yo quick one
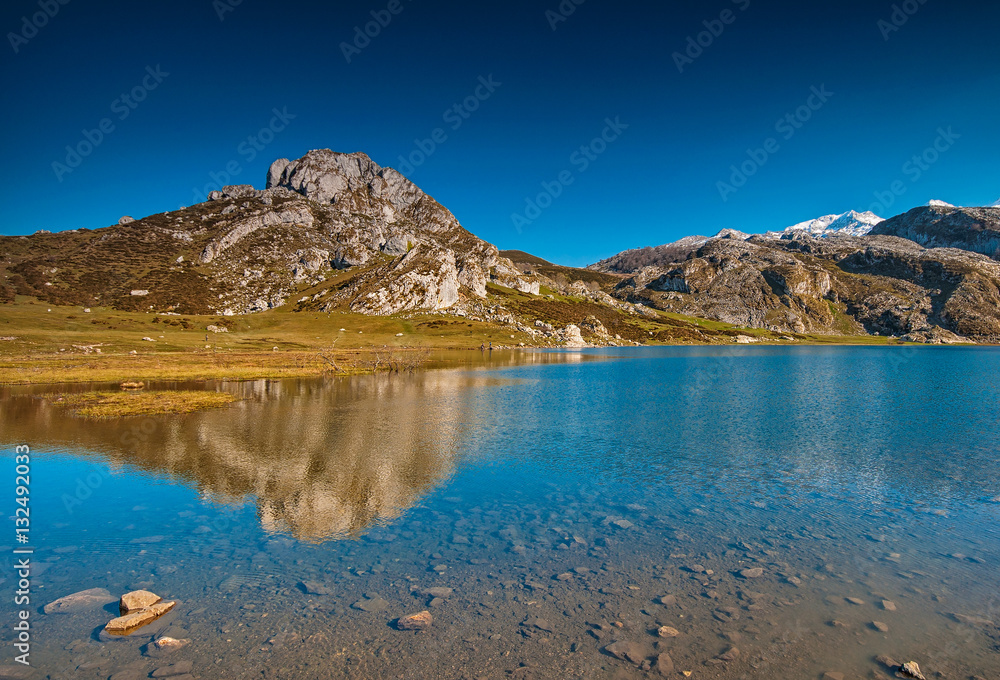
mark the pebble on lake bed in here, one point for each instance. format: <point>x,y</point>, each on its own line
<point>420,621</point>
<point>627,651</point>
<point>169,644</point>
<point>755,572</point>
<point>668,632</point>
<point>179,668</point>
<point>880,627</point>
<point>911,669</point>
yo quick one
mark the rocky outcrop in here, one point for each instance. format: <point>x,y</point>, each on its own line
<point>844,285</point>
<point>945,226</point>
<point>247,250</point>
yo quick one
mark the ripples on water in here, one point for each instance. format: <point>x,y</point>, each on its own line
<point>561,499</point>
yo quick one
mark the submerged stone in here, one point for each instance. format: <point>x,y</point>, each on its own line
<point>419,621</point>
<point>85,599</point>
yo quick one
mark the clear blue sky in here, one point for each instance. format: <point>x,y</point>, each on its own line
<point>656,181</point>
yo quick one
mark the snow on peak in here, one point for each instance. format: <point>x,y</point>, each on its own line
<point>939,204</point>
<point>733,234</point>
<point>996,205</point>
<point>851,223</point>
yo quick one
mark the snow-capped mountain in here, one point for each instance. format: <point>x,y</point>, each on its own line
<point>851,223</point>
<point>940,204</point>
<point>996,205</point>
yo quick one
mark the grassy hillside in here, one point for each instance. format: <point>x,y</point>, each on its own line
<point>41,343</point>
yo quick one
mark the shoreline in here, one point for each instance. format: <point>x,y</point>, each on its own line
<point>41,345</point>
<point>113,369</point>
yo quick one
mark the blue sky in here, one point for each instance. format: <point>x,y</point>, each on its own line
<point>590,115</point>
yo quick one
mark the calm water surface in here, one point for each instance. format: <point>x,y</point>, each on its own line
<point>570,501</point>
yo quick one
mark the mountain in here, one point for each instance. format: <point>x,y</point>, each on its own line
<point>329,231</point>
<point>633,260</point>
<point>924,276</point>
<point>940,226</point>
<point>879,285</point>
<point>851,223</point>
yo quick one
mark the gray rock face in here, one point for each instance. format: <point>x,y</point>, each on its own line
<point>875,284</point>
<point>275,171</point>
<point>938,226</point>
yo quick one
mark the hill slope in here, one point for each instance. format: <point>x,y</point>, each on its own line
<point>350,233</point>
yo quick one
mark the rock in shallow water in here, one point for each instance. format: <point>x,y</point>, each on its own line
<point>133,619</point>
<point>664,664</point>
<point>911,669</point>
<point>315,588</point>
<point>136,600</point>
<point>83,600</point>
<point>420,621</point>
<point>626,651</point>
<point>165,645</point>
<point>371,603</point>
<point>179,668</point>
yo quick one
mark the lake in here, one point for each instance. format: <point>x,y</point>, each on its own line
<point>757,512</point>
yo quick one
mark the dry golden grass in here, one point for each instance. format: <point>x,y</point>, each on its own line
<point>99,405</point>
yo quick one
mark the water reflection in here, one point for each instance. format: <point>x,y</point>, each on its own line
<point>320,459</point>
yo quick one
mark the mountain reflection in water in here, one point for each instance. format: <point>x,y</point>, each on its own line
<point>321,460</point>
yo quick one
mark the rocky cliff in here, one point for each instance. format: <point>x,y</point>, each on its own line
<point>945,226</point>
<point>845,285</point>
<point>330,230</point>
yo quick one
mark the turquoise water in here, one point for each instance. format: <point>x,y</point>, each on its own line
<point>561,498</point>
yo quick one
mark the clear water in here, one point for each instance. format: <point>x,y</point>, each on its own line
<point>560,496</point>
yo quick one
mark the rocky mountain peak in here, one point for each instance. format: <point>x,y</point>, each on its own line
<point>330,231</point>
<point>327,176</point>
<point>947,226</point>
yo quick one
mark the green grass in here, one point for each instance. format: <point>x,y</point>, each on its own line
<point>102,405</point>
